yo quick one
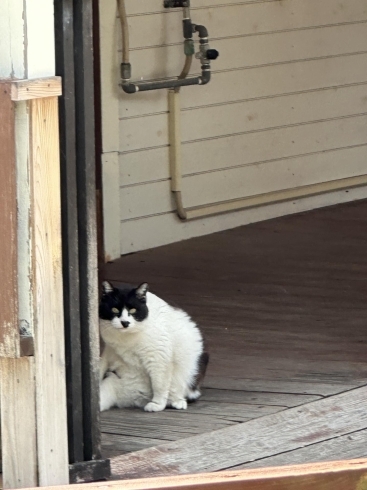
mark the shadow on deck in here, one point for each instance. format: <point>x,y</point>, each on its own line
<point>283,306</point>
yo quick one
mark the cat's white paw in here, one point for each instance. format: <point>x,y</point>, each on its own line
<point>179,404</point>
<point>154,407</point>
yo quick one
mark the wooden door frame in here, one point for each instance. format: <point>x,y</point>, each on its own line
<point>75,64</point>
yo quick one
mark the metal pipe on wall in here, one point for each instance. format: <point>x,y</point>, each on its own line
<point>205,54</point>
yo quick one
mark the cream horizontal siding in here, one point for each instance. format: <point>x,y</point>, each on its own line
<point>245,116</point>
<point>238,182</point>
<point>152,231</point>
<point>286,107</point>
<point>255,82</point>
<point>237,21</point>
<point>247,149</point>
<point>251,51</point>
<point>342,11</point>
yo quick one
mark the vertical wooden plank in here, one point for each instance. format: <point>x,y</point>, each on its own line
<point>18,422</point>
<point>109,33</point>
<point>9,331</point>
<point>85,157</point>
<point>48,300</point>
<point>64,41</point>
<point>110,74</point>
<point>111,202</point>
<point>24,252</point>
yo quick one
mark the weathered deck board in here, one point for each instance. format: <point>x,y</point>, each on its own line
<point>283,308</point>
<point>351,446</point>
<point>169,425</point>
<point>260,438</point>
<point>116,444</point>
<point>255,398</point>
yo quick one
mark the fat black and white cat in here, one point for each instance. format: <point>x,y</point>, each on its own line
<point>154,353</point>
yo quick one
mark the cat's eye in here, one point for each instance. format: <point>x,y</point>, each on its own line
<point>115,310</point>
<point>132,311</point>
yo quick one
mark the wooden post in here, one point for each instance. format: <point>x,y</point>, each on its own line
<point>9,330</point>
<point>18,415</point>
<point>74,62</point>
<point>33,391</point>
<point>88,264</point>
<point>64,44</point>
<point>48,298</point>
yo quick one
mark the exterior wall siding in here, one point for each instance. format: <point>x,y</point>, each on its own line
<point>286,107</point>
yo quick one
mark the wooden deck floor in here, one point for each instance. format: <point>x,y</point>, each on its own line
<point>283,306</point>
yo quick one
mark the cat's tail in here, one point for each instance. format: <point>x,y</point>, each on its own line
<point>194,390</point>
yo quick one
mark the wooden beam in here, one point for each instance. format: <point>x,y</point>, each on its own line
<point>35,88</point>
<point>64,45</point>
<point>48,299</point>
<point>336,475</point>
<point>18,422</point>
<point>9,328</point>
<point>87,224</point>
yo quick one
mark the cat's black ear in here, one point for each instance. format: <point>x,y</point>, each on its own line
<point>107,288</point>
<point>141,291</point>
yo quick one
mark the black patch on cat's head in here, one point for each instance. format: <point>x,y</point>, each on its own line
<point>137,299</point>
<point>118,299</point>
<point>112,299</point>
<point>141,292</point>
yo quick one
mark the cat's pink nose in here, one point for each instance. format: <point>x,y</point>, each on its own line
<point>125,324</point>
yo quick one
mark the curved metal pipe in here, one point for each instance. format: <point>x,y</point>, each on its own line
<point>124,31</point>
<point>181,212</point>
<point>186,68</point>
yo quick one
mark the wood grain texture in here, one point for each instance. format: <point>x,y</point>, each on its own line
<point>283,311</point>
<point>87,223</point>
<point>64,43</point>
<point>18,422</point>
<point>337,475</point>
<point>9,329</point>
<point>259,438</point>
<point>170,425</point>
<point>350,446</point>
<point>255,398</point>
<point>25,287</point>
<point>35,88</point>
<point>48,299</point>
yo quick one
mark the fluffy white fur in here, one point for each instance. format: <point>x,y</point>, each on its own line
<point>155,360</point>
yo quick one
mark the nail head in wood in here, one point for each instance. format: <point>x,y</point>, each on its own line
<point>36,88</point>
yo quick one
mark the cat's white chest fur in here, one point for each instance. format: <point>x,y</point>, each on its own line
<point>157,357</point>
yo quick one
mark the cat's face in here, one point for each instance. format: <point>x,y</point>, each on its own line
<point>125,309</point>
